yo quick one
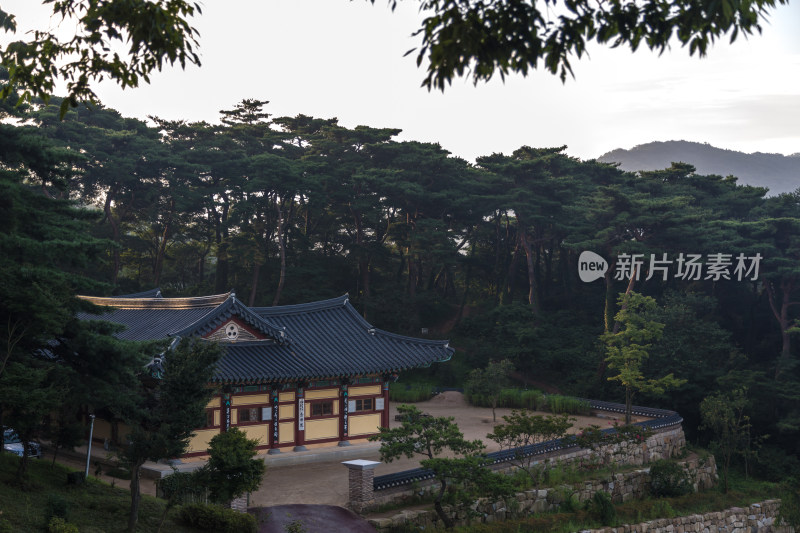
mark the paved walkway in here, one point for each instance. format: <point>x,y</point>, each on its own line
<point>312,519</point>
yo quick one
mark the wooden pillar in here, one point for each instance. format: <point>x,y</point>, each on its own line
<point>344,414</point>
<point>300,419</point>
<point>385,412</point>
<point>273,445</point>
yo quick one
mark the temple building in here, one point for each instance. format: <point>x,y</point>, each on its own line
<point>293,377</point>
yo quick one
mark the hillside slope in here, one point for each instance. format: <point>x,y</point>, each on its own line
<point>777,172</point>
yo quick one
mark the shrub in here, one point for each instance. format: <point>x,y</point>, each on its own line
<point>56,506</point>
<point>217,518</point>
<point>410,393</point>
<point>59,525</point>
<point>668,479</point>
<point>183,487</point>
<point>662,509</point>
<point>601,508</point>
<point>5,526</point>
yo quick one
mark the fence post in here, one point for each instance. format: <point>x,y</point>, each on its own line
<point>361,473</point>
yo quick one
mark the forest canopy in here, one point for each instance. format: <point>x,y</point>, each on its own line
<point>293,209</point>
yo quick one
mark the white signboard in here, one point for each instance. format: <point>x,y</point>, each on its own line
<point>301,414</point>
<point>266,413</point>
<point>379,404</point>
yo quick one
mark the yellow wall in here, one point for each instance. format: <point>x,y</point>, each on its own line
<point>234,417</point>
<point>285,432</point>
<point>286,397</point>
<point>217,417</point>
<point>320,394</point>
<point>102,429</point>
<point>364,424</point>
<point>200,439</point>
<point>286,411</point>
<point>259,433</point>
<point>373,390</point>
<point>250,399</point>
<point>325,428</point>
<point>213,403</point>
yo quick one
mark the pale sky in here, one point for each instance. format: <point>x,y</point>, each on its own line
<point>344,59</point>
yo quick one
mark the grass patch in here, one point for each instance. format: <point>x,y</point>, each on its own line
<point>410,392</point>
<point>534,400</point>
<point>94,506</point>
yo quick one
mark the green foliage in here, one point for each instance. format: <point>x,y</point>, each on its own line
<point>789,511</point>
<point>601,508</point>
<point>723,415</point>
<point>517,36</point>
<point>164,413</point>
<point>218,519</point>
<point>627,349</point>
<point>433,437</point>
<point>60,525</point>
<point>57,507</point>
<point>522,428</point>
<point>232,469</point>
<point>662,509</point>
<point>559,404</point>
<point>410,393</point>
<point>183,487</point>
<point>295,526</point>
<point>155,32</point>
<point>490,381</point>
<point>668,478</point>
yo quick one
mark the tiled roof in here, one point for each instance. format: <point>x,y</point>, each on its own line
<point>325,339</point>
<point>152,318</point>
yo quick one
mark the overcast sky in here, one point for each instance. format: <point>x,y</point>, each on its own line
<point>344,59</point>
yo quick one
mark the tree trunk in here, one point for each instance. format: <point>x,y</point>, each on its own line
<point>115,238</point>
<point>254,285</point>
<point>628,405</point>
<point>533,298</point>
<point>448,522</point>
<point>782,316</point>
<point>136,496</point>
<point>282,252</point>
<point>162,249</point>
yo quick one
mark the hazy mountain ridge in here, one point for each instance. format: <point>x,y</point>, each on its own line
<point>777,172</point>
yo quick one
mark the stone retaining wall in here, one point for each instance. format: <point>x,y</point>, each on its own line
<point>666,443</point>
<point>622,487</point>
<point>758,518</point>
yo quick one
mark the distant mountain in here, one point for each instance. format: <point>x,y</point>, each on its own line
<point>777,172</point>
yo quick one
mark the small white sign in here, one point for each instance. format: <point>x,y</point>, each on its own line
<point>351,406</point>
<point>301,414</point>
<point>266,413</point>
<point>379,404</point>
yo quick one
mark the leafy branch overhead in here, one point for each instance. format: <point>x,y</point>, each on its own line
<point>484,37</point>
<point>150,32</point>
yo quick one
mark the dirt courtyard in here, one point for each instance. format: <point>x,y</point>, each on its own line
<point>325,482</point>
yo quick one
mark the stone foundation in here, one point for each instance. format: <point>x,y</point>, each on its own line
<point>665,444</point>
<point>758,518</point>
<point>622,487</point>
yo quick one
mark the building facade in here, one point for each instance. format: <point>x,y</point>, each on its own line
<point>292,377</point>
